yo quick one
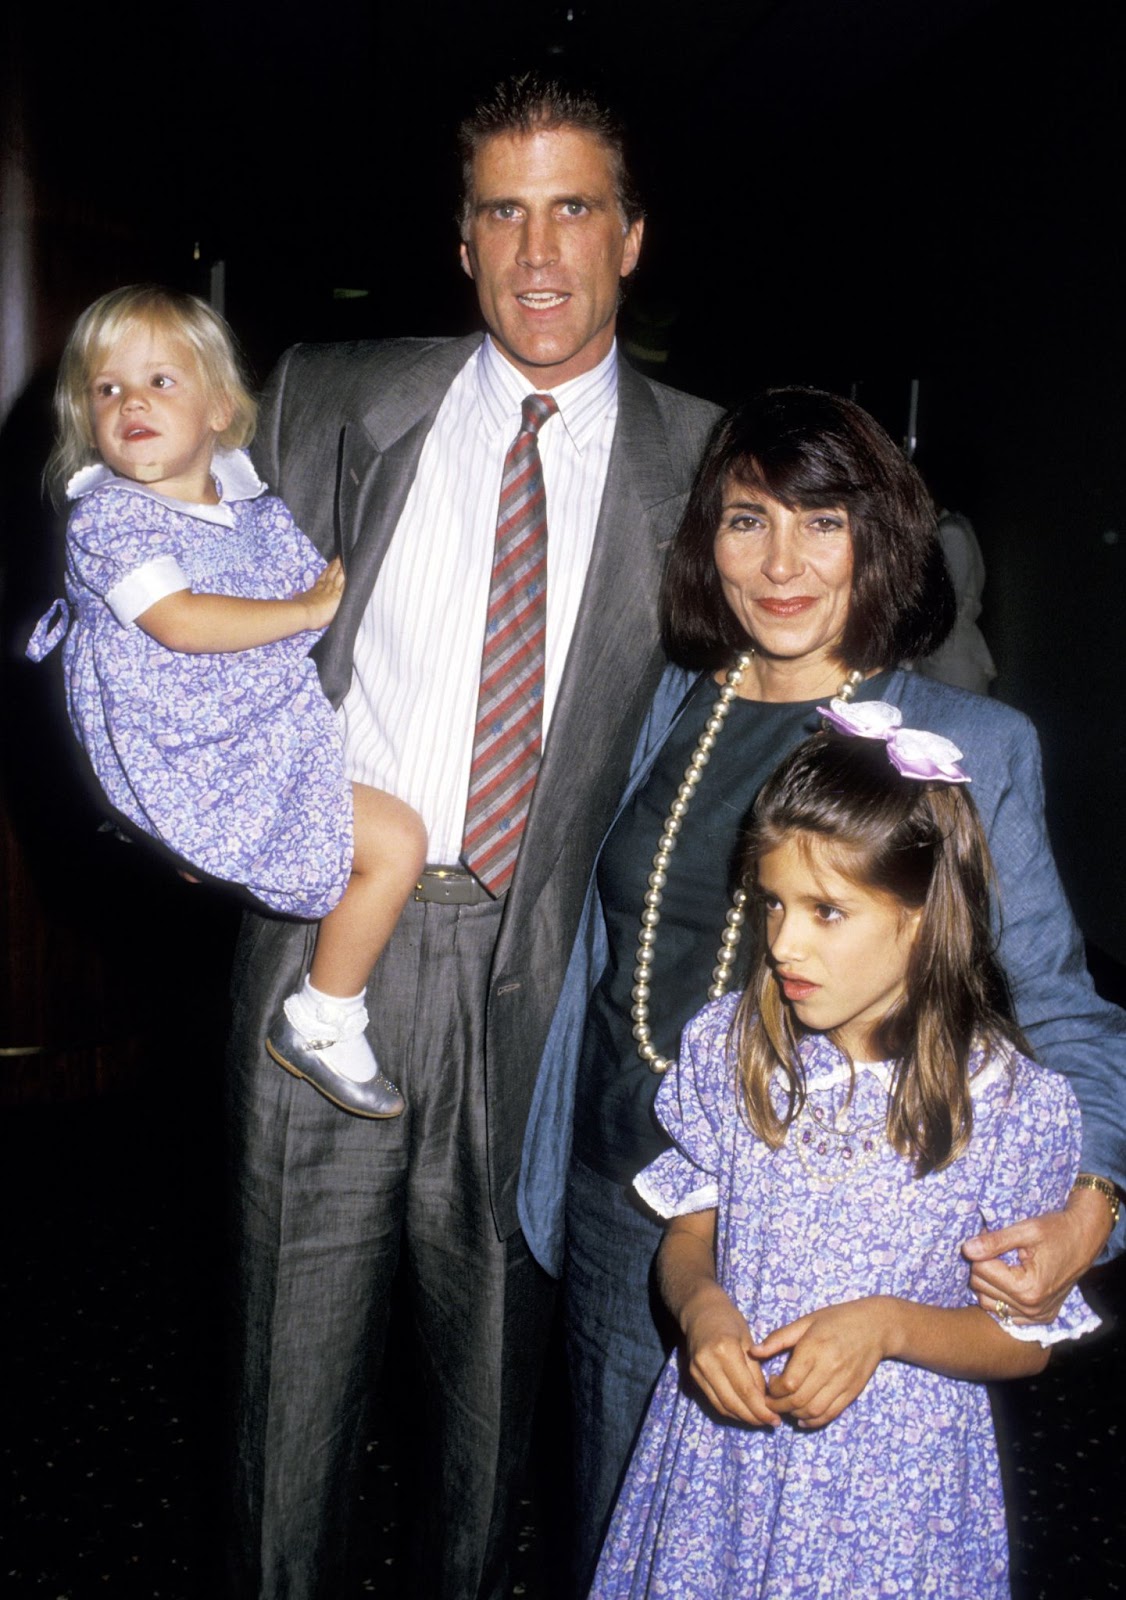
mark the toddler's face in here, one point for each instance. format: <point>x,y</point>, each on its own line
<point>840,951</point>
<point>152,415</point>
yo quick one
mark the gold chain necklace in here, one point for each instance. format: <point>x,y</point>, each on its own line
<point>658,876</point>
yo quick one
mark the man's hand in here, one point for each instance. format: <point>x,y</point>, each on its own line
<point>1053,1252</point>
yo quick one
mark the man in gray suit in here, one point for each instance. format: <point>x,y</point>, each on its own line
<point>392,454</point>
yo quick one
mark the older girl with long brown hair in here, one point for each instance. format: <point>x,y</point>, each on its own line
<point>838,1130</point>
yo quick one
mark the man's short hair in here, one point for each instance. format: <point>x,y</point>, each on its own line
<point>531,103</point>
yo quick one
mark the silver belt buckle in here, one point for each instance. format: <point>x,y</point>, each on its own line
<point>450,886</point>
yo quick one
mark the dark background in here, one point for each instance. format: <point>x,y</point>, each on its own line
<point>851,193</point>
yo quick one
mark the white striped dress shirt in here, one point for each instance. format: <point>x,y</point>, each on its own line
<point>409,715</point>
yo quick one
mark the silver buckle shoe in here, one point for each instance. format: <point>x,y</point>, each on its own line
<point>377,1097</point>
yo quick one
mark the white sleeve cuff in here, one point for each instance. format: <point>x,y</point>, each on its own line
<point>706,1198</point>
<point>1082,1320</point>
<point>144,586</point>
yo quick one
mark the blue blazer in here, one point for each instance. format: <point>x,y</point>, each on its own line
<point>1069,1027</point>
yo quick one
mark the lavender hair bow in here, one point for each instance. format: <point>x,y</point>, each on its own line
<point>912,751</point>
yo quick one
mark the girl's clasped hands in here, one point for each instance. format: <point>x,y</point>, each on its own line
<point>832,1354</point>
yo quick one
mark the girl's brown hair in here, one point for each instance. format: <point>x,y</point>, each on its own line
<point>172,311</point>
<point>923,844</point>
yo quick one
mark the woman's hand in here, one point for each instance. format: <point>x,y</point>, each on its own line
<point>718,1344</point>
<point>1053,1252</point>
<point>833,1353</point>
<point>323,597</point>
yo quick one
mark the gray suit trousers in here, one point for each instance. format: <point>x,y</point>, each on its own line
<point>330,1209</point>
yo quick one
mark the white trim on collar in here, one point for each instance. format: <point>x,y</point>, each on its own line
<point>981,1077</point>
<point>233,470</point>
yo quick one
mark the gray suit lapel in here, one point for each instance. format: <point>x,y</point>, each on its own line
<point>378,459</point>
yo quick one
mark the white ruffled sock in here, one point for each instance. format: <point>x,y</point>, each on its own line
<point>336,1023</point>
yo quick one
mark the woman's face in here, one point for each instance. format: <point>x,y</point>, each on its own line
<point>787,575</point>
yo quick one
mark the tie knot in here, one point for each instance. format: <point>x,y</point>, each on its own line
<point>534,412</point>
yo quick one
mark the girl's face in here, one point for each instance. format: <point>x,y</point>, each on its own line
<point>839,950</point>
<point>152,415</point>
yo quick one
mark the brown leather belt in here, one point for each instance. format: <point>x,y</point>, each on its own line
<point>451,886</point>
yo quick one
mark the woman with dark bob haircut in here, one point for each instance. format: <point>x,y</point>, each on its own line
<point>806,448</point>
<point>806,568</point>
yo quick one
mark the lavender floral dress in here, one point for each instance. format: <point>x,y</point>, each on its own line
<point>900,1495</point>
<point>232,760</point>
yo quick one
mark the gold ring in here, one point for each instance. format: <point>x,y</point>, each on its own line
<point>1002,1312</point>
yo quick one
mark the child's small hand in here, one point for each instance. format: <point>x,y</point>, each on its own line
<point>719,1345</point>
<point>833,1353</point>
<point>323,597</point>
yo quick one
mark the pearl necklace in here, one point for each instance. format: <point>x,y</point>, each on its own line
<point>666,844</point>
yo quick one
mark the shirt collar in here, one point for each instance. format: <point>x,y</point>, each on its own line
<point>826,1065</point>
<point>233,471</point>
<point>584,402</point>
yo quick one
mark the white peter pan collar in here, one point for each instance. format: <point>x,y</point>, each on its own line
<point>233,471</point>
<point>981,1078</point>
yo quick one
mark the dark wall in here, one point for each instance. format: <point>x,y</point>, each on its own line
<point>845,192</point>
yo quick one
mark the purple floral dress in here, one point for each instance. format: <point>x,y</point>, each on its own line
<point>232,760</point>
<point>900,1495</point>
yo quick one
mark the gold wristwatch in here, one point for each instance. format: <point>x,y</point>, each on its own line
<point>1103,1186</point>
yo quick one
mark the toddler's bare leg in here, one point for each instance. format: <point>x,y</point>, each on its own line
<point>319,1033</point>
<point>389,852</point>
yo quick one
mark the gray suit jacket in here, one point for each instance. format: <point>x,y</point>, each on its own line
<point>341,433</point>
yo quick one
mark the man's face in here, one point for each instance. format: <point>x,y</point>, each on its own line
<point>547,248</point>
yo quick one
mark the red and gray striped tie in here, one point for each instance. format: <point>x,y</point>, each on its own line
<point>508,738</point>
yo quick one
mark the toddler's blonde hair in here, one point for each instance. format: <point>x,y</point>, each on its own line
<point>171,311</point>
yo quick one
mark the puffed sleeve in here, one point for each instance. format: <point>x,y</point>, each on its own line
<point>694,1105</point>
<point>1070,1027</point>
<point>1034,1125</point>
<point>122,548</point>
